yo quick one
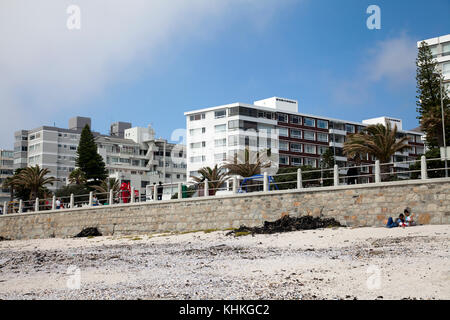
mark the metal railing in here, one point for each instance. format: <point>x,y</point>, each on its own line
<point>364,174</point>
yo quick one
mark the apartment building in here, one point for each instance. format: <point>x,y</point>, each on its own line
<point>6,170</point>
<point>49,147</point>
<point>141,159</point>
<point>130,154</point>
<point>295,139</point>
<point>215,135</point>
<point>440,48</point>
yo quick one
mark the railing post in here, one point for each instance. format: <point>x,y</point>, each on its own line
<point>36,205</point>
<point>235,185</point>
<point>423,168</point>
<point>206,188</point>
<point>53,202</point>
<point>377,171</point>
<point>20,205</point>
<point>299,179</point>
<point>266,182</point>
<point>132,195</point>
<point>155,192</point>
<point>72,200</point>
<point>5,207</point>
<point>90,198</point>
<point>336,175</point>
<point>180,190</point>
<point>111,197</point>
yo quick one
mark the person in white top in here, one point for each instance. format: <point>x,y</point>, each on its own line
<point>58,204</point>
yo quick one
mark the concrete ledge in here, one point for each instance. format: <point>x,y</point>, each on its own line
<point>351,205</point>
<point>242,195</point>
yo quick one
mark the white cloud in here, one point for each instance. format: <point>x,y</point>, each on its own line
<point>47,67</point>
<point>390,63</point>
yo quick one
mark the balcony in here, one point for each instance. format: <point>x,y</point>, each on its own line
<point>337,131</point>
<point>337,145</point>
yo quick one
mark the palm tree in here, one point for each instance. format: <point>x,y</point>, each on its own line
<point>216,178</point>
<point>252,164</point>
<point>377,140</point>
<point>33,178</point>
<point>77,176</point>
<point>106,186</point>
<point>10,183</point>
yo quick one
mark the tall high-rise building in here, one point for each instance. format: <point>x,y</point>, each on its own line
<point>440,48</point>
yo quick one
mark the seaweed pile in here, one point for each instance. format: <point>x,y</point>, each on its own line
<point>288,224</point>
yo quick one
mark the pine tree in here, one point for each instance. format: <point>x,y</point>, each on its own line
<point>88,160</point>
<point>429,98</point>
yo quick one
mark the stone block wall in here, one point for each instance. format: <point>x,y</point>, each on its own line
<point>356,205</point>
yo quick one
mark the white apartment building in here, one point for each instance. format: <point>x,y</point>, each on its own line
<point>295,139</point>
<point>440,48</point>
<point>215,135</point>
<point>6,170</point>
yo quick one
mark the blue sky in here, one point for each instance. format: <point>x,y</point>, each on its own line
<point>319,52</point>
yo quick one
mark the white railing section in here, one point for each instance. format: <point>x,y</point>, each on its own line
<point>296,180</point>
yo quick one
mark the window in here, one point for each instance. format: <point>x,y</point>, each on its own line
<point>350,128</point>
<point>446,49</point>
<point>310,162</point>
<point>322,137</point>
<point>283,132</point>
<point>296,161</point>
<point>199,116</point>
<point>296,120</point>
<point>321,149</point>
<point>282,118</point>
<point>220,156</point>
<point>296,134</point>
<point>220,142</point>
<point>309,135</point>
<point>196,145</point>
<point>322,124</point>
<point>198,159</point>
<point>73,148</point>
<point>296,147</point>
<point>197,131</point>
<point>309,122</point>
<point>284,146</point>
<point>233,140</point>
<point>220,128</point>
<point>310,149</point>
<point>220,114</point>
<point>284,160</point>
<point>419,150</point>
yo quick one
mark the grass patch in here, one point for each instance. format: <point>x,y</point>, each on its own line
<point>136,238</point>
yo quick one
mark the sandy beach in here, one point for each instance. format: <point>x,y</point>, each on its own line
<point>334,263</point>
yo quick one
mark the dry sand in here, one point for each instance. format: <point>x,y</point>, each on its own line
<point>340,263</point>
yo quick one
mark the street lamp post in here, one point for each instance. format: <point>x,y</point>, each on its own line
<point>443,125</point>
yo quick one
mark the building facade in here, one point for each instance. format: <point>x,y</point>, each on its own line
<point>6,170</point>
<point>140,159</point>
<point>440,49</point>
<point>294,138</point>
<point>51,148</point>
<point>136,157</point>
